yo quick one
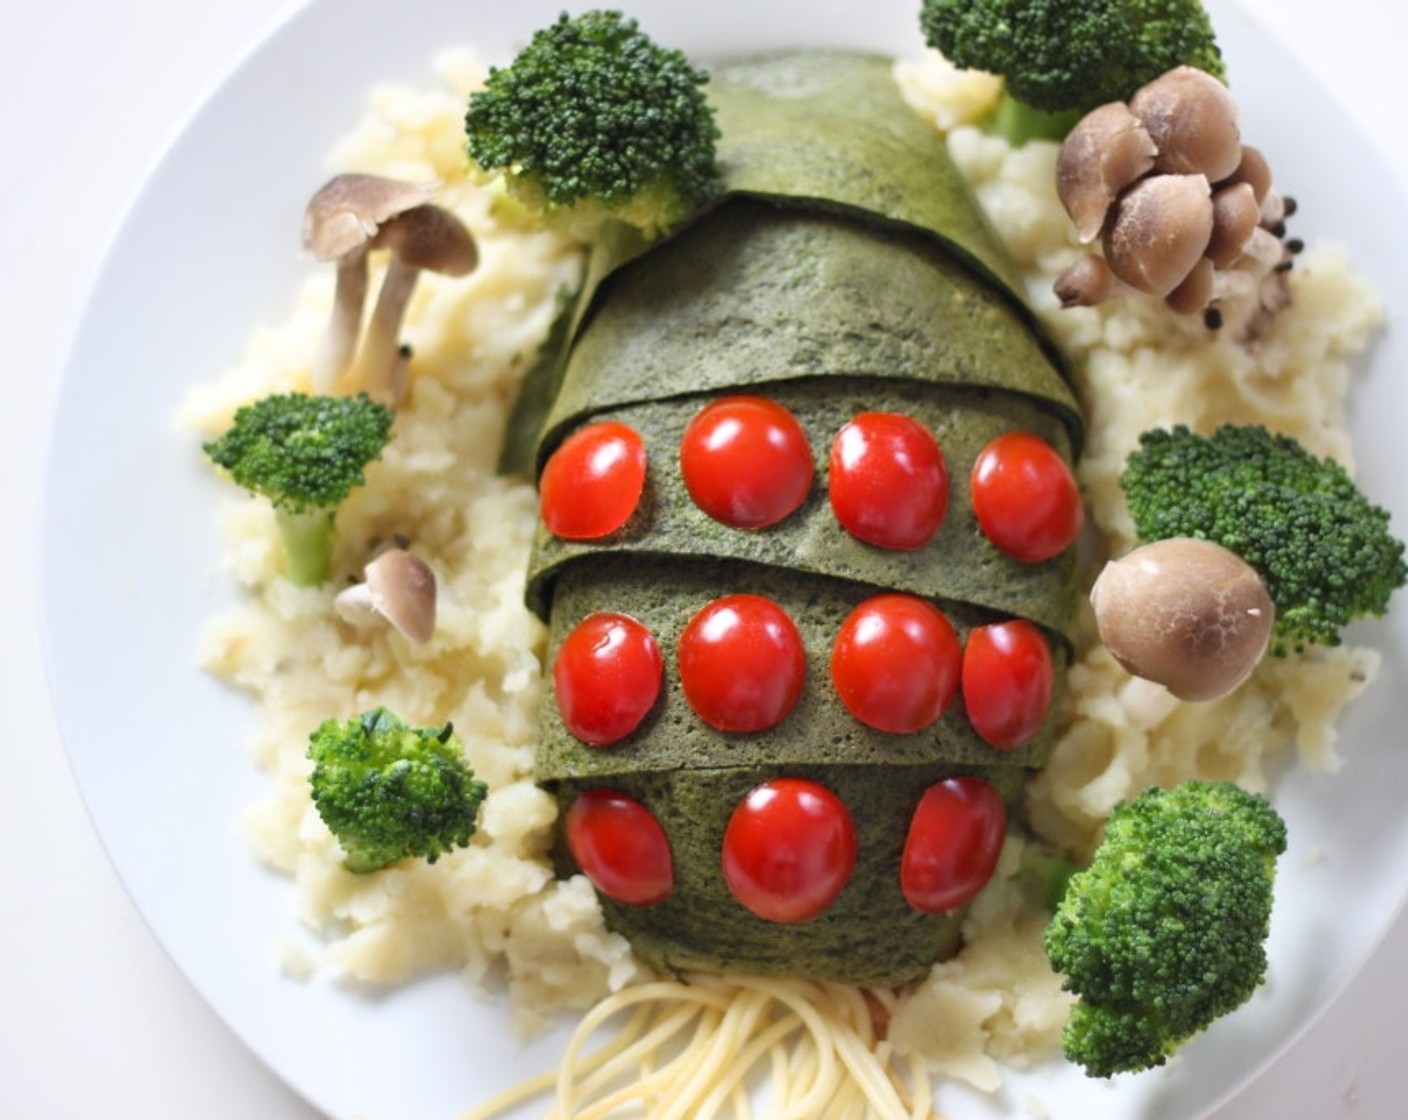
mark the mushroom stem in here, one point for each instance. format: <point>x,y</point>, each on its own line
<point>339,341</point>
<point>375,370</point>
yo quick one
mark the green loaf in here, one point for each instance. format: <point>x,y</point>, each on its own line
<point>845,272</point>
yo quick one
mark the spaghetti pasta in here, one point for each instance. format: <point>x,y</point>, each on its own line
<point>736,1046</point>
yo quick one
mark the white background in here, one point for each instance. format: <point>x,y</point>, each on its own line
<point>94,1020</point>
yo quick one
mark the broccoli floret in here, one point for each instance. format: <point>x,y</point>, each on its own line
<point>595,120</point>
<point>305,453</point>
<point>390,791</point>
<point>1322,548</point>
<point>1165,931</point>
<point>1061,59</point>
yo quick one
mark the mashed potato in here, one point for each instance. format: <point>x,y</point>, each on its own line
<point>495,909</point>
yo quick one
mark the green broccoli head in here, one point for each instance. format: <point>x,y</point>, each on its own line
<point>390,791</point>
<point>593,120</point>
<point>1321,547</point>
<point>1056,55</point>
<point>305,453</point>
<point>1165,931</point>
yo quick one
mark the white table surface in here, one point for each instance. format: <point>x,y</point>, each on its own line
<point>94,1019</point>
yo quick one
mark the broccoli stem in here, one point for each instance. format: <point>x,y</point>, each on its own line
<point>307,539</point>
<point>1018,122</point>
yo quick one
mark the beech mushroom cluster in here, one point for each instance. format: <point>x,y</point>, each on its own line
<point>1183,210</point>
<point>1187,614</point>
<point>349,217</point>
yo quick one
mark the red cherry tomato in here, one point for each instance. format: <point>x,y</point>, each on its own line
<point>592,483</point>
<point>895,662</point>
<point>620,847</point>
<point>955,837</point>
<point>1026,498</point>
<point>1008,677</point>
<point>742,663</point>
<point>887,481</point>
<point>606,677</point>
<point>789,850</point>
<point>746,461</point>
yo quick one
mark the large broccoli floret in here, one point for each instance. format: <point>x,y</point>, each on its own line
<point>1322,548</point>
<point>1165,931</point>
<point>1064,58</point>
<point>593,120</point>
<point>390,791</point>
<point>305,453</point>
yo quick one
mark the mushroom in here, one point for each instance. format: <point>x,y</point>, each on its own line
<point>1187,614</point>
<point>338,225</point>
<point>1087,282</point>
<point>424,237</point>
<point>1235,217</point>
<point>397,588</point>
<point>1158,231</point>
<point>1107,150</point>
<point>1192,118</point>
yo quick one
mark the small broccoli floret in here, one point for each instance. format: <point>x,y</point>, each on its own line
<point>390,791</point>
<point>1060,59</point>
<point>1322,548</point>
<point>305,453</point>
<point>594,120</point>
<point>1165,931</point>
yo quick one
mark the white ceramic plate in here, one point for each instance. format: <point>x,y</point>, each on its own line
<point>131,562</point>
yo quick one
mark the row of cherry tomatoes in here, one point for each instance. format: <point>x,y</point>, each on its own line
<point>896,664</point>
<point>747,463</point>
<point>789,847</point>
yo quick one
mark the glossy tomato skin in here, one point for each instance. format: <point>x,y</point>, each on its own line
<point>742,663</point>
<point>606,677</point>
<point>620,847</point>
<point>591,485</point>
<point>887,481</point>
<point>1008,681</point>
<point>789,850</point>
<point>1026,498</point>
<point>955,837</point>
<point>746,461</point>
<point>895,663</point>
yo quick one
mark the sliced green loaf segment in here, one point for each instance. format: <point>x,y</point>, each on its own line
<point>663,593</point>
<point>830,130</point>
<point>754,295</point>
<point>870,935</point>
<point>959,566</point>
<point>825,133</point>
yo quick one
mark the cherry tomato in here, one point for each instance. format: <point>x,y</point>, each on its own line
<point>606,677</point>
<point>955,837</point>
<point>1026,498</point>
<point>746,461</point>
<point>1007,682</point>
<point>895,662</point>
<point>789,850</point>
<point>620,847</point>
<point>592,483</point>
<point>742,663</point>
<point>887,481</point>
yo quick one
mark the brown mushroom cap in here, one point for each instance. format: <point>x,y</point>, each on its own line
<point>398,587</point>
<point>1252,168</point>
<point>431,238</point>
<point>1107,150</point>
<point>1158,231</point>
<point>1235,216</point>
<point>349,209</point>
<point>1084,284</point>
<point>1192,118</point>
<point>1187,614</point>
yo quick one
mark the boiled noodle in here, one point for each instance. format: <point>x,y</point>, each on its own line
<point>495,911</point>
